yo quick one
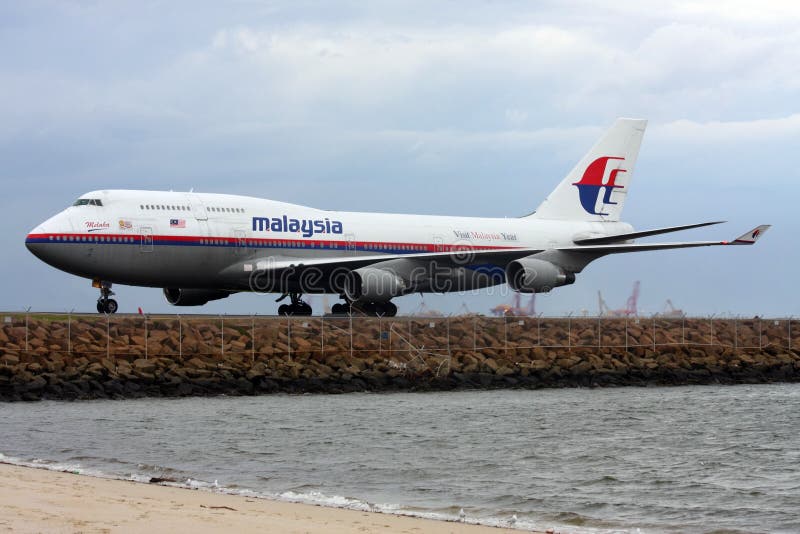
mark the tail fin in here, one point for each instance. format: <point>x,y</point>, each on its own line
<point>596,189</point>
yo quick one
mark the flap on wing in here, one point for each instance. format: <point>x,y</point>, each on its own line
<point>605,240</point>
<point>746,239</point>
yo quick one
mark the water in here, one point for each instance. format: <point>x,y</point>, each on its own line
<point>700,458</point>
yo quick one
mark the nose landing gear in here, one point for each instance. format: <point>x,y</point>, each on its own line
<point>104,303</point>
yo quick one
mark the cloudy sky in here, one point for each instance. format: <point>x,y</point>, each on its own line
<point>462,108</point>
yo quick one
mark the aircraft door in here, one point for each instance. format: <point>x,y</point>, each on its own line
<point>350,244</point>
<point>146,239</point>
<point>438,243</point>
<point>241,242</point>
<point>198,208</point>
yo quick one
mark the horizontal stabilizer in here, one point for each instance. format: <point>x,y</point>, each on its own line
<point>605,240</point>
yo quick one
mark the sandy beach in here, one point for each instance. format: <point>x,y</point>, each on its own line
<point>38,500</point>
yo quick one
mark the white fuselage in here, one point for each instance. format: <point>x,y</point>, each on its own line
<point>166,239</point>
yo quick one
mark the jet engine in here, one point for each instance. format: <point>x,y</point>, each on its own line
<point>192,297</point>
<point>532,275</point>
<point>370,284</point>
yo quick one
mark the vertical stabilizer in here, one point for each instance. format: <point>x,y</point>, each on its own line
<point>596,189</point>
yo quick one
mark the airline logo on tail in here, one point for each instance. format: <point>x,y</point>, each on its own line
<point>591,183</point>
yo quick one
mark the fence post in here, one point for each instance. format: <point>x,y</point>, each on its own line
<point>759,332</point>
<point>289,335</point>
<point>711,321</point>
<point>447,324</point>
<point>69,331</point>
<point>569,332</point>
<point>180,337</point>
<point>409,336</point>
<point>26,328</point>
<point>654,333</point>
<point>505,336</point>
<point>683,330</point>
<point>474,335</point>
<point>626,334</point>
<point>599,335</point>
<point>539,329</point>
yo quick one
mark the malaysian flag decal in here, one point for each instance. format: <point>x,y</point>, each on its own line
<point>177,223</point>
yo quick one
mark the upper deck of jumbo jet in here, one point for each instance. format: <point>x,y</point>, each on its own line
<point>244,210</point>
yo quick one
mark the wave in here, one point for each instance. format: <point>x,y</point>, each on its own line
<point>303,497</point>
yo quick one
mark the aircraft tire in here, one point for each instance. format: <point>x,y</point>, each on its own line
<point>389,309</point>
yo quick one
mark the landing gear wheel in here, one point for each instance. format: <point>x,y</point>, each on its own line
<point>108,306</point>
<point>340,309</point>
<point>297,307</point>
<point>104,303</point>
<point>389,309</point>
<point>376,309</point>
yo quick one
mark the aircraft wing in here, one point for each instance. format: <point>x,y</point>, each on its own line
<point>748,238</point>
<point>605,240</point>
<point>471,257</point>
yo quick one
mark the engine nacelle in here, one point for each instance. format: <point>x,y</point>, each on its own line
<point>370,284</point>
<point>192,297</point>
<point>531,275</point>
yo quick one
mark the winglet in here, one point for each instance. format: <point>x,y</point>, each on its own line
<point>752,236</point>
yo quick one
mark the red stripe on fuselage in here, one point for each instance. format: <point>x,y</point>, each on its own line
<point>260,242</point>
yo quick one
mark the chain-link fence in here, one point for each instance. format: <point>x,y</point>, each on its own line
<point>254,337</point>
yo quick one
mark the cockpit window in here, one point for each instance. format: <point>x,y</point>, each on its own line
<point>88,202</point>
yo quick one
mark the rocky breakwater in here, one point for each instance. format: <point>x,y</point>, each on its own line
<point>85,357</point>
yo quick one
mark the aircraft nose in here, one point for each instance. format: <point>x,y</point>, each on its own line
<point>35,238</point>
<point>38,238</point>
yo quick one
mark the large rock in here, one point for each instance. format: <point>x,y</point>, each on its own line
<point>144,366</point>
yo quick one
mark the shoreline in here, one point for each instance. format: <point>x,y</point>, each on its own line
<point>37,499</point>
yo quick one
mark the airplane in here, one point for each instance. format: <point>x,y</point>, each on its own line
<point>200,247</point>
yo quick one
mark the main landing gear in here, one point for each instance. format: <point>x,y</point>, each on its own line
<point>377,309</point>
<point>104,303</point>
<point>297,307</point>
